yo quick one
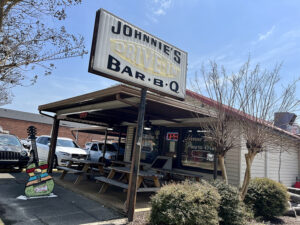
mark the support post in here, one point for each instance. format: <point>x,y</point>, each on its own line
<point>135,162</point>
<point>52,147</point>
<point>119,143</point>
<point>215,165</point>
<point>104,148</point>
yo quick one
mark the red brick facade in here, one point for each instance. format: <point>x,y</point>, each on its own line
<point>19,128</point>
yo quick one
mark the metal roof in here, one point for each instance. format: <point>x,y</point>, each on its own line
<point>118,106</point>
<point>33,117</point>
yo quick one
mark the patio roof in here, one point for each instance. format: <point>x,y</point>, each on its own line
<point>118,106</point>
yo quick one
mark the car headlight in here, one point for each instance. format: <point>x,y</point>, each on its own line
<point>65,153</point>
<point>23,153</point>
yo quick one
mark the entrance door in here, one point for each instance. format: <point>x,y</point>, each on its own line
<point>171,143</point>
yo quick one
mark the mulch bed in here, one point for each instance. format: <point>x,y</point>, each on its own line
<point>142,218</point>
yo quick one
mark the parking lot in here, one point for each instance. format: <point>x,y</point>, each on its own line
<point>67,208</point>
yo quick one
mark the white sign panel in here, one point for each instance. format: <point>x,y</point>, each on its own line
<point>125,53</point>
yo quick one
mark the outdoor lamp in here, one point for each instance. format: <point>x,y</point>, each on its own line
<point>147,125</point>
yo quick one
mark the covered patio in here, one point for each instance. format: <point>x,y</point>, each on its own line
<point>172,133</point>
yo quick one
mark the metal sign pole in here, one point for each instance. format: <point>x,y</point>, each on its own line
<point>135,162</point>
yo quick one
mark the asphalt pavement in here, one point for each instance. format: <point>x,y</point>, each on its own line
<point>67,208</point>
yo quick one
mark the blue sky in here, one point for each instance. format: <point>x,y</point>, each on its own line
<point>225,31</point>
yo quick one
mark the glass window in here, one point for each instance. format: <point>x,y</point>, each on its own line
<point>7,140</point>
<point>150,145</point>
<point>66,143</point>
<point>94,147</point>
<point>197,150</point>
<point>43,140</point>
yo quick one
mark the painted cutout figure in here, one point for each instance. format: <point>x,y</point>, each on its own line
<point>40,183</point>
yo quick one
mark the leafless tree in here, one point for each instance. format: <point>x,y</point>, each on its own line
<point>30,38</point>
<point>221,90</point>
<point>260,95</point>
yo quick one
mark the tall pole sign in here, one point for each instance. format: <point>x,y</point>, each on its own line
<point>125,53</point>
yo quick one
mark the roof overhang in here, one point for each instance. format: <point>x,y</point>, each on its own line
<point>118,106</point>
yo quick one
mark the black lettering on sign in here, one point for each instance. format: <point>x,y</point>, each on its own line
<point>116,31</point>
<point>137,34</point>
<point>174,86</point>
<point>158,82</point>
<point>127,31</point>
<point>166,49</point>
<point>127,70</point>
<point>177,56</point>
<point>139,75</point>
<point>113,64</point>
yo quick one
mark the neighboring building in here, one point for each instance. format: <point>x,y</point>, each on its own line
<point>17,122</point>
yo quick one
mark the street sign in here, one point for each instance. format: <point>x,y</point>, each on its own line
<point>124,52</point>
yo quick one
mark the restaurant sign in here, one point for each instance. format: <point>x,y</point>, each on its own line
<point>123,52</point>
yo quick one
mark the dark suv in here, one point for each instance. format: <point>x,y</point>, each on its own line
<point>12,153</point>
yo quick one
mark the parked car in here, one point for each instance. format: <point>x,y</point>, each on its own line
<point>12,153</point>
<point>26,143</point>
<point>66,149</point>
<point>96,148</point>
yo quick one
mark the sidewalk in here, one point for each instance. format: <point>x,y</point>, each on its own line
<point>67,208</point>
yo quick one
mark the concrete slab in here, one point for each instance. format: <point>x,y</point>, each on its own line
<point>67,208</point>
<point>114,197</point>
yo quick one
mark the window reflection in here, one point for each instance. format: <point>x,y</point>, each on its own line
<point>150,145</point>
<point>197,149</point>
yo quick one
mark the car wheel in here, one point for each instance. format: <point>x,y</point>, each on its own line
<point>19,170</point>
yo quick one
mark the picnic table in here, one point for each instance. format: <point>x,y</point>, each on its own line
<point>183,173</point>
<point>87,165</point>
<point>126,171</point>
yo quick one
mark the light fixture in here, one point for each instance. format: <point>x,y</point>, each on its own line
<point>147,125</point>
<point>110,128</point>
<point>202,131</point>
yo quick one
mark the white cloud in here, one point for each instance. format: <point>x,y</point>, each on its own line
<point>262,37</point>
<point>159,8</point>
<point>160,12</point>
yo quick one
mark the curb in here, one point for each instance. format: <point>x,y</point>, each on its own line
<point>110,222</point>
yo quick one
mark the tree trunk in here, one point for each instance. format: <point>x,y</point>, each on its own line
<point>223,168</point>
<point>249,159</point>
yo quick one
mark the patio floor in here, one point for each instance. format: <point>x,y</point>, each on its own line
<point>114,197</point>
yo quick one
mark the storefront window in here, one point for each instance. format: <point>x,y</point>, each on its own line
<point>197,150</point>
<point>150,145</point>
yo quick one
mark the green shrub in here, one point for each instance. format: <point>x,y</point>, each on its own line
<point>185,203</point>
<point>267,198</point>
<point>231,210</point>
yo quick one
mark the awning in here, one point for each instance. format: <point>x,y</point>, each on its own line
<point>118,106</point>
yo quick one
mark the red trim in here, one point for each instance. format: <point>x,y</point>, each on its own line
<point>236,112</point>
<point>30,170</point>
<point>42,167</point>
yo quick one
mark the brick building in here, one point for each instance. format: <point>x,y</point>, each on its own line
<point>17,122</point>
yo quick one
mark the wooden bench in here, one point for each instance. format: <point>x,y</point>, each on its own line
<point>70,170</point>
<point>179,173</point>
<point>124,186</point>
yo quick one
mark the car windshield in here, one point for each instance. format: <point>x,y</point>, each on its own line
<point>9,141</point>
<point>66,143</point>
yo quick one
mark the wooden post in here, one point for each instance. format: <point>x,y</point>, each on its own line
<point>104,148</point>
<point>135,163</point>
<point>119,143</point>
<point>215,165</point>
<point>52,147</point>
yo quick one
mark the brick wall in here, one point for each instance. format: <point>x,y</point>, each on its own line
<point>19,128</point>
